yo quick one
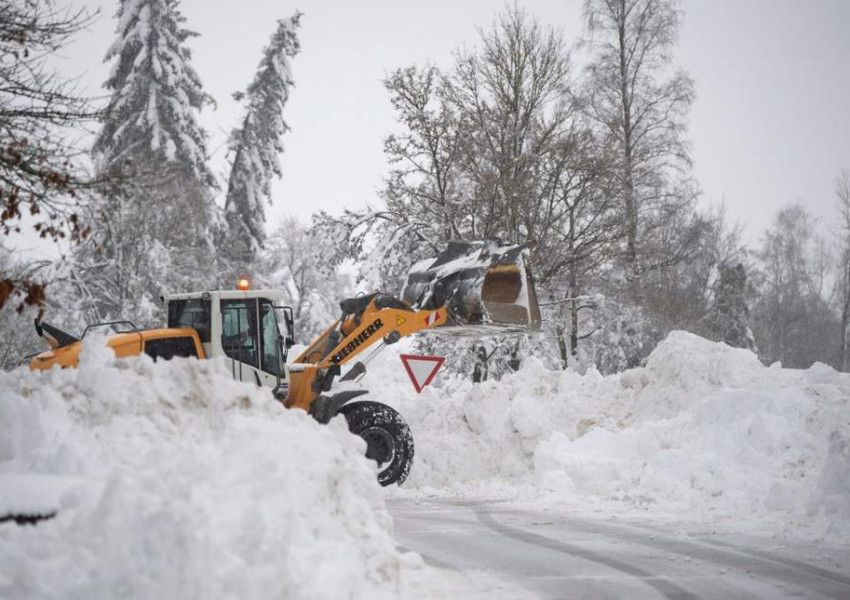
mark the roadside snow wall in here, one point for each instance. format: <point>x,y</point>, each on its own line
<point>702,429</point>
<point>173,481</point>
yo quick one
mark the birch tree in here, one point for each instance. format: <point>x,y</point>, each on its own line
<point>793,320</point>
<point>641,106</point>
<point>842,191</point>
<point>513,90</point>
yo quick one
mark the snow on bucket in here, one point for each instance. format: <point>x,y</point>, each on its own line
<point>483,284</point>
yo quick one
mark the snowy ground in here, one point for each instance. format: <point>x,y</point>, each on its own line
<point>704,434</point>
<point>704,474</point>
<point>561,553</point>
<point>171,480</point>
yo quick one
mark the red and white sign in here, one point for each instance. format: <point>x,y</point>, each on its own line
<point>421,369</point>
<point>431,319</point>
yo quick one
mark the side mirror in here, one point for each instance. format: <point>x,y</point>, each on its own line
<point>289,320</point>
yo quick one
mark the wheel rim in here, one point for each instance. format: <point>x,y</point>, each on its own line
<point>379,445</point>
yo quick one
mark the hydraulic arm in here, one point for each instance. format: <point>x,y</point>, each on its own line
<point>365,321</point>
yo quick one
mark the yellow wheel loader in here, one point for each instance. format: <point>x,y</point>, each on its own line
<point>471,288</point>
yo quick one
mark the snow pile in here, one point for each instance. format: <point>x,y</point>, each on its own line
<point>170,480</point>
<point>702,429</point>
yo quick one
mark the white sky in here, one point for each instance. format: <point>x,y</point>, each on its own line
<point>771,123</point>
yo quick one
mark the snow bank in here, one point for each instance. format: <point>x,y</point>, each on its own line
<point>173,481</point>
<point>703,429</point>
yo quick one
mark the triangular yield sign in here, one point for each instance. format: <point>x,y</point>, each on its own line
<point>421,369</point>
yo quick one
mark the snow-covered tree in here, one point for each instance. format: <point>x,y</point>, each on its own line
<point>155,92</point>
<point>641,109</point>
<point>842,191</point>
<point>792,319</point>
<point>257,143</point>
<point>294,260</point>
<point>122,270</point>
<point>150,128</point>
<point>493,147</point>
<point>157,217</point>
<point>731,314</point>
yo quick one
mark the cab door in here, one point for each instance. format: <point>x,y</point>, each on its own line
<point>240,338</point>
<point>271,358</point>
<point>251,340</point>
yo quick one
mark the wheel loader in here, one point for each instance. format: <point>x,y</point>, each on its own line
<point>472,288</point>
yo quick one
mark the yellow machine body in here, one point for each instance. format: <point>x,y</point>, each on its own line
<point>475,287</point>
<point>357,332</point>
<point>123,344</point>
<point>353,334</point>
<point>472,288</point>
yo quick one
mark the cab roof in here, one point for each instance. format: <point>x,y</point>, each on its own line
<point>273,295</point>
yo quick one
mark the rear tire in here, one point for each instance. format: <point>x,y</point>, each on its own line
<point>387,436</point>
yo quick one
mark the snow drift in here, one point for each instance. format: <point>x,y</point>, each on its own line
<point>703,429</point>
<point>173,481</point>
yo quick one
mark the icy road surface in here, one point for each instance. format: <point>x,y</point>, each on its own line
<point>556,555</point>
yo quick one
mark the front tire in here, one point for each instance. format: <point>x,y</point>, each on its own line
<point>387,436</point>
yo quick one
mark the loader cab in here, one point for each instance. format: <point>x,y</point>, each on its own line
<point>249,329</point>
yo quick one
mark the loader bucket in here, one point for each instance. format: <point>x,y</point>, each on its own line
<point>484,284</point>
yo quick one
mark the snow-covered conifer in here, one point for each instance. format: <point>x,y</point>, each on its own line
<point>731,314</point>
<point>158,218</point>
<point>257,143</point>
<point>151,114</point>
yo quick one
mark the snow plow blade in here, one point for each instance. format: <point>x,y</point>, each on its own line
<point>484,284</point>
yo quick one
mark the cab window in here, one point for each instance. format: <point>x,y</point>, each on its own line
<point>193,313</point>
<point>168,348</point>
<point>269,335</point>
<point>239,330</point>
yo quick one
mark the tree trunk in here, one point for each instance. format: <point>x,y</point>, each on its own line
<point>573,308</point>
<point>515,361</point>
<point>574,327</point>
<point>845,318</point>
<point>562,345</point>
<point>573,293</point>
<point>480,370</point>
<point>629,200</point>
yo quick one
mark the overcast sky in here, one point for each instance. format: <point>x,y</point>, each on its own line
<point>771,123</point>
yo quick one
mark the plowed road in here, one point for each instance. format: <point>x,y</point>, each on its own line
<point>558,556</point>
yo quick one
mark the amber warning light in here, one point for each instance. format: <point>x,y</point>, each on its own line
<point>243,284</point>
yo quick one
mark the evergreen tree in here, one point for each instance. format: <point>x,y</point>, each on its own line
<point>155,92</point>
<point>731,314</point>
<point>158,219</point>
<point>257,143</point>
<point>150,130</point>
